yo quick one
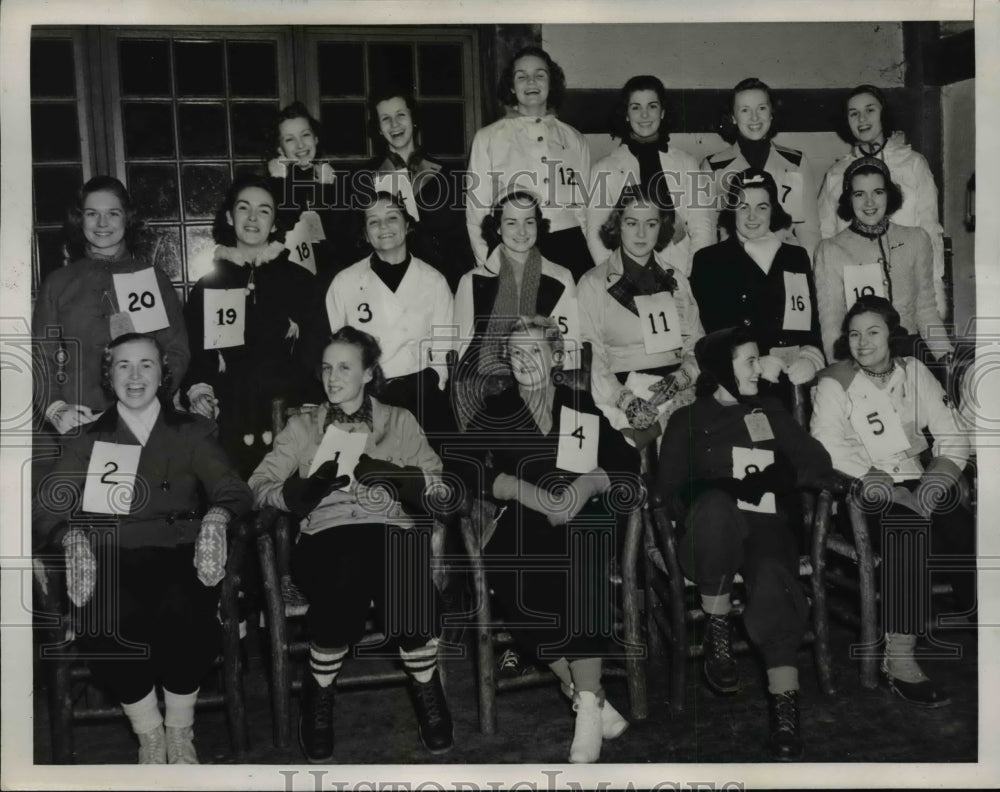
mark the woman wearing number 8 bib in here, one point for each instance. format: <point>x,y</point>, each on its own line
<point>105,292</point>
<point>560,475</point>
<point>755,280</point>
<point>874,256</point>
<point>153,553</point>
<point>872,411</point>
<point>641,321</point>
<point>729,467</point>
<point>350,551</point>
<point>244,320</point>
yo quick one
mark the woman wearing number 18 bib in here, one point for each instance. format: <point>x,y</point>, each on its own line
<point>873,411</point>
<point>144,564</point>
<point>245,321</point>
<point>729,467</point>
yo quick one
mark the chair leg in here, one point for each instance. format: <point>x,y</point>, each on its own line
<point>821,615</point>
<point>236,713</point>
<point>679,644</point>
<point>484,645</point>
<point>866,578</point>
<point>281,683</point>
<point>635,650</point>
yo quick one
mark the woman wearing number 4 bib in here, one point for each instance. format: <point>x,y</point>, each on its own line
<point>641,321</point>
<point>555,459</point>
<point>874,256</point>
<point>873,411</point>
<point>106,291</point>
<point>244,320</point>
<point>341,559</point>
<point>152,554</point>
<point>755,280</point>
<point>407,306</point>
<point>729,467</point>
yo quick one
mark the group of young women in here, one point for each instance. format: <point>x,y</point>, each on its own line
<point>401,346</point>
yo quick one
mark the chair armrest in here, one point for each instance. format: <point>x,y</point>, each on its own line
<point>835,482</point>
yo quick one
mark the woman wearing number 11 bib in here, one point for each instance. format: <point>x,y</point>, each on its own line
<point>729,467</point>
<point>874,256</point>
<point>872,411</point>
<point>144,562</point>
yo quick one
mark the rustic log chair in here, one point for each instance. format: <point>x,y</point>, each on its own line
<point>475,524</point>
<point>72,699</point>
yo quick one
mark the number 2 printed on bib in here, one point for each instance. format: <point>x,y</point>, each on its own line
<point>798,306</point>
<point>110,486</point>
<point>878,425</point>
<point>139,297</point>
<point>861,281</point>
<point>578,435</point>
<point>224,318</point>
<point>661,323</point>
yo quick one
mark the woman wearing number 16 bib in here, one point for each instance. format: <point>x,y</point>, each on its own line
<point>245,321</point>
<point>872,411</point>
<point>144,562</point>
<point>874,256</point>
<point>729,467</point>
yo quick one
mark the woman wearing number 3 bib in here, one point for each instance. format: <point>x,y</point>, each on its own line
<point>152,554</point>
<point>106,291</point>
<point>871,411</point>
<point>349,552</point>
<point>729,467</point>
<point>874,256</point>
<point>553,459</point>
<point>244,320</point>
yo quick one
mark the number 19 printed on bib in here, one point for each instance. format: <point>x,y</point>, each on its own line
<point>224,318</point>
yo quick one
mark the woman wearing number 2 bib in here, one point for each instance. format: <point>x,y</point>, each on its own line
<point>729,467</point>
<point>349,551</point>
<point>105,292</point>
<point>755,280</point>
<point>874,256</point>
<point>871,410</point>
<point>553,459</point>
<point>244,320</point>
<point>641,321</point>
<point>144,562</point>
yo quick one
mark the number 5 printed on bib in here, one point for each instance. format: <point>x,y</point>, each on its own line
<point>139,297</point>
<point>578,436</point>
<point>110,487</point>
<point>224,318</point>
<point>878,425</point>
<point>567,316</point>
<point>661,323</point>
<point>753,460</point>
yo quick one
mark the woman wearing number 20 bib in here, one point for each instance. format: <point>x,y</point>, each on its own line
<point>244,321</point>
<point>871,411</point>
<point>874,256</point>
<point>105,292</point>
<point>139,503</point>
<point>729,467</point>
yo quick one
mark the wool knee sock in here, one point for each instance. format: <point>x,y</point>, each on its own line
<point>899,661</point>
<point>144,714</point>
<point>716,604</point>
<point>180,708</point>
<point>421,662</point>
<point>586,674</point>
<point>781,679</point>
<point>324,664</point>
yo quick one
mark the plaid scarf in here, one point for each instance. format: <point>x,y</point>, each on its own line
<point>362,415</point>
<point>637,279</point>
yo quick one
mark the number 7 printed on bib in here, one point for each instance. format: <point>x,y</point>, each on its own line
<point>110,485</point>
<point>139,298</point>
<point>578,436</point>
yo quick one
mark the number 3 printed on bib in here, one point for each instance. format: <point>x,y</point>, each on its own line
<point>578,435</point>
<point>224,318</point>
<point>661,324</point>
<point>110,487</point>
<point>879,426</point>
<point>139,297</point>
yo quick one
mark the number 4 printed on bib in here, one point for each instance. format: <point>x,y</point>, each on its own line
<point>110,487</point>
<point>224,318</point>
<point>139,297</point>
<point>661,324</point>
<point>578,435</point>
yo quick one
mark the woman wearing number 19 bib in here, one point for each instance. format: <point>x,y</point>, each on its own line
<point>874,256</point>
<point>245,321</point>
<point>873,411</point>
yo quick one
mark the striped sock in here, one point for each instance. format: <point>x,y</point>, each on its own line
<point>421,662</point>
<point>325,664</point>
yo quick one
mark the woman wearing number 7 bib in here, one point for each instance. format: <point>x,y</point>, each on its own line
<point>729,467</point>
<point>874,256</point>
<point>871,410</point>
<point>349,552</point>
<point>140,503</point>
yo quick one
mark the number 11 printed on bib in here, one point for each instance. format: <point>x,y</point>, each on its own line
<point>661,323</point>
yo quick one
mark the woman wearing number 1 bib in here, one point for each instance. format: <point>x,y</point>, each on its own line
<point>144,561</point>
<point>106,291</point>
<point>873,411</point>
<point>729,467</point>
<point>874,256</point>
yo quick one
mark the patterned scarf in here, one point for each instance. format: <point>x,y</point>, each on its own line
<point>878,233</point>
<point>638,279</point>
<point>870,231</point>
<point>363,415</point>
<point>508,305</point>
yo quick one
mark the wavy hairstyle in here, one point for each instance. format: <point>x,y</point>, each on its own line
<point>869,303</point>
<point>490,228</point>
<point>749,179</point>
<point>297,110</point>
<point>557,78</point>
<point>727,127</point>
<point>371,352</point>
<point>611,230</point>
<point>76,242</point>
<point>618,120</point>
<point>551,335</point>
<point>861,167</point>
<point>166,373</point>
<point>222,231</point>
<point>889,123</point>
<point>380,144</point>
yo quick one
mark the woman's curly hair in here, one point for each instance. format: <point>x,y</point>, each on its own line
<point>166,374</point>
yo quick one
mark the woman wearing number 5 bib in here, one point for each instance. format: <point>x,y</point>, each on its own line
<point>729,467</point>
<point>144,561</point>
<point>641,321</point>
<point>106,291</point>
<point>874,256</point>
<point>560,475</point>
<point>349,552</point>
<point>872,411</point>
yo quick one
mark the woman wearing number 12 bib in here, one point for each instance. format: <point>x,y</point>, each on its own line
<point>873,411</point>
